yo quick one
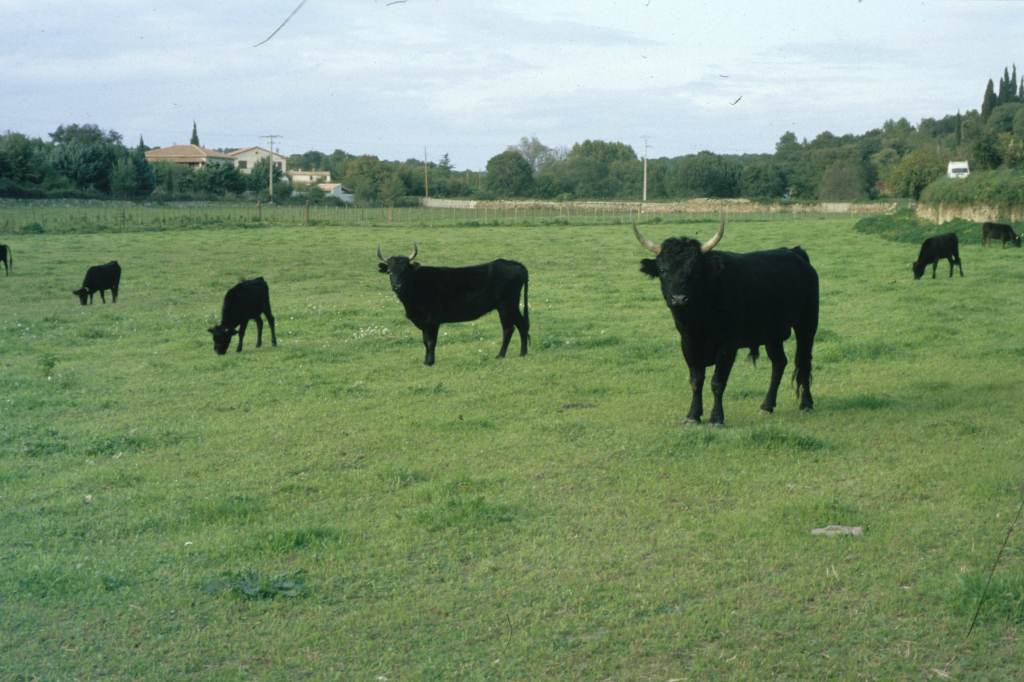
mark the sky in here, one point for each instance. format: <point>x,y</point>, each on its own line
<point>400,79</point>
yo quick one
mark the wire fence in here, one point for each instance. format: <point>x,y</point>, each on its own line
<point>84,217</point>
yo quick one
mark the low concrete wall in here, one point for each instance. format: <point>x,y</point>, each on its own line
<point>689,206</point>
<point>977,213</point>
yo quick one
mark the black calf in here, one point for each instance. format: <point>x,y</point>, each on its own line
<point>245,301</point>
<point>100,278</point>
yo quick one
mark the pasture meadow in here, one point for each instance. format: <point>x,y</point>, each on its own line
<point>332,509</point>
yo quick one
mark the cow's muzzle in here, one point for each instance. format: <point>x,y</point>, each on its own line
<point>678,300</point>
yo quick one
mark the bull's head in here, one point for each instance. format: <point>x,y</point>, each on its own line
<point>221,338</point>
<point>680,265</point>
<point>82,294</point>
<point>918,268</point>
<point>398,267</point>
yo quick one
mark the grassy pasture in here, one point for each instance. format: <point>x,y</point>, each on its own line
<point>331,508</point>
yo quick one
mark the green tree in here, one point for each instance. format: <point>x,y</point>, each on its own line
<point>533,150</point>
<point>915,171</point>
<point>391,189</point>
<point>257,181</point>
<point>195,135</point>
<point>988,101</point>
<point>984,151</point>
<point>762,179</point>
<point>23,160</point>
<point>86,155</point>
<point>363,175</point>
<point>704,174</point>
<point>133,177</point>
<point>509,175</point>
<point>843,181</point>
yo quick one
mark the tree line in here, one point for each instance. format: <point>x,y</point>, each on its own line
<point>897,159</point>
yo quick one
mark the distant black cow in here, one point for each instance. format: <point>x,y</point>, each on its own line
<point>100,278</point>
<point>7,258</point>
<point>245,301</point>
<point>934,248</point>
<point>433,295</point>
<point>722,302</point>
<point>1004,233</point>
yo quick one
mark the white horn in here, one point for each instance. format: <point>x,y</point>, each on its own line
<point>715,238</point>
<point>647,243</point>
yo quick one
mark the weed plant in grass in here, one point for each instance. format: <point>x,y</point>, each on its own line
<point>331,508</point>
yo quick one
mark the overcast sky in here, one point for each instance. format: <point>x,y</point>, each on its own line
<point>471,78</point>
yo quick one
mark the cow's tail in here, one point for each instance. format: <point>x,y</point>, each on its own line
<point>526,302</point>
<point>755,353</point>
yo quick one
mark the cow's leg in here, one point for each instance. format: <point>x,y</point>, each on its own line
<point>241,334</point>
<point>934,266</point>
<point>778,357</point>
<point>270,321</point>
<point>102,297</point>
<point>959,264</point>
<point>696,394</point>
<point>723,366</point>
<point>259,331</point>
<point>802,375</point>
<point>430,342</point>
<point>507,327</point>
<point>113,294</point>
<point>523,325</point>
<point>951,264</point>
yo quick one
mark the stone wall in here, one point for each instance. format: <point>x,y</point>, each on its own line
<point>977,213</point>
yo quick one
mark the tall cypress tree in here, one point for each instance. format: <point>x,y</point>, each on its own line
<point>959,128</point>
<point>1013,85</point>
<point>989,101</point>
<point>195,135</point>
<point>1003,87</point>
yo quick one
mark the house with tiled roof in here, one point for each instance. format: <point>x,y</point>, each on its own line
<point>190,155</point>
<point>245,159</point>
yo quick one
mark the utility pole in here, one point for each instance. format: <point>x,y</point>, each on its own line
<point>426,175</point>
<point>270,167</point>
<point>645,169</point>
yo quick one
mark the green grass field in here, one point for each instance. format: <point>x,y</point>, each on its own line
<point>333,509</point>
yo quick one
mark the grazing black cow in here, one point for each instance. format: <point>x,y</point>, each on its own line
<point>100,278</point>
<point>432,295</point>
<point>932,249</point>
<point>7,258</point>
<point>1004,233</point>
<point>245,301</point>
<point>723,301</point>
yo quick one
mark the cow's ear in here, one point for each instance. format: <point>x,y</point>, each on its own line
<point>382,267</point>
<point>649,267</point>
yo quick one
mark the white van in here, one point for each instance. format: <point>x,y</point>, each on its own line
<point>957,169</point>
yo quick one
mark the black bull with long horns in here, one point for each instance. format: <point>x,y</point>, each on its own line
<point>433,295</point>
<point>723,301</point>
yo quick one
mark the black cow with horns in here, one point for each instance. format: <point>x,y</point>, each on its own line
<point>434,295</point>
<point>723,301</point>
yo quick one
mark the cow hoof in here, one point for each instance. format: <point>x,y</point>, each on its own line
<point>691,420</point>
<point>765,410</point>
<point>807,408</point>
